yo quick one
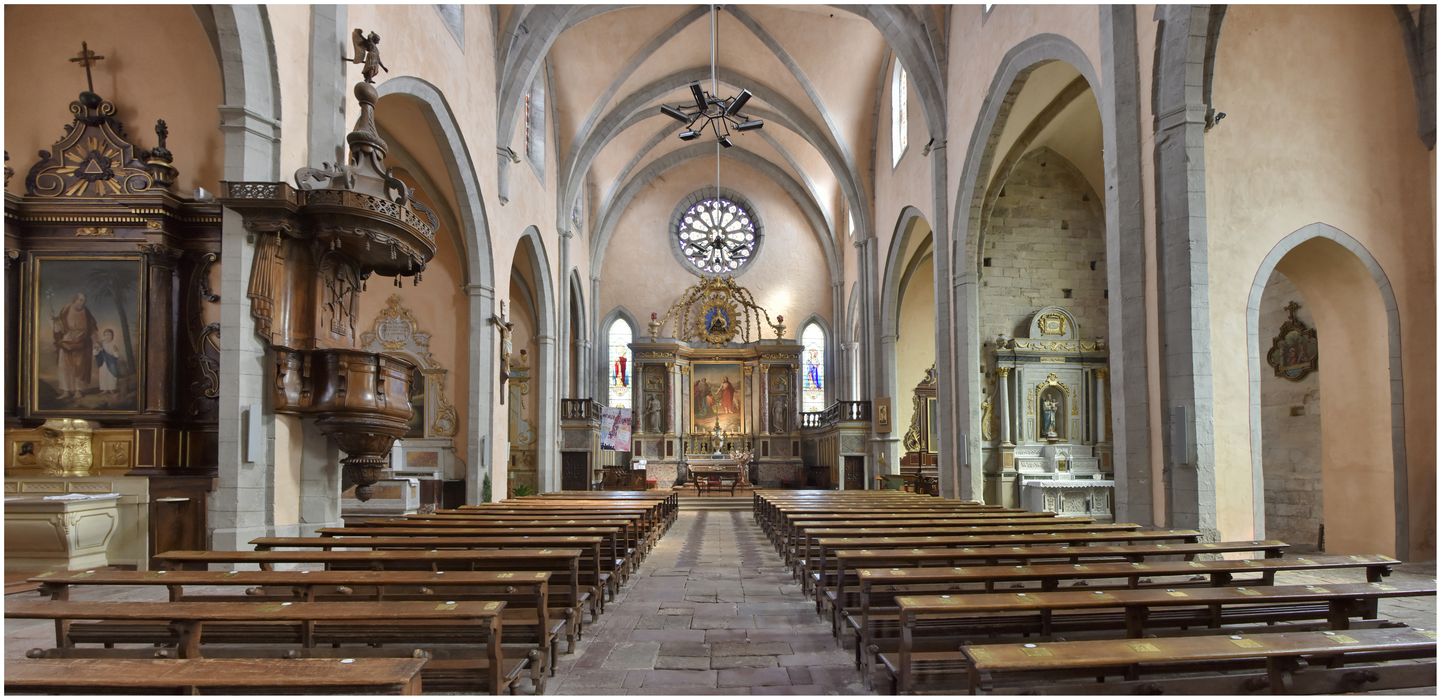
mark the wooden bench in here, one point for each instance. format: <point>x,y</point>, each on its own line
<point>1293,663</point>
<point>360,625</point>
<point>805,538</point>
<point>223,676</point>
<point>872,615</point>
<point>600,571</point>
<point>565,561</point>
<point>1209,608</point>
<point>528,615</point>
<point>631,539</point>
<point>945,523</point>
<point>813,572</point>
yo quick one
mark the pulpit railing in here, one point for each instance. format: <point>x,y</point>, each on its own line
<point>579,409</point>
<point>838,412</point>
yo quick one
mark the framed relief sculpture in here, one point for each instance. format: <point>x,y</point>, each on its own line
<point>87,338</point>
<point>1293,353</point>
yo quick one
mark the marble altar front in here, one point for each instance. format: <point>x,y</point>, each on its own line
<point>68,532</point>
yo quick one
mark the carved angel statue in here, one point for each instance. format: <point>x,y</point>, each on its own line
<point>367,52</point>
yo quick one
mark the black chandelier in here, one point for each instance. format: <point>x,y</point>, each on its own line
<point>711,112</point>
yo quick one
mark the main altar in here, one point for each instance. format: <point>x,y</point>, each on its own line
<point>713,395</point>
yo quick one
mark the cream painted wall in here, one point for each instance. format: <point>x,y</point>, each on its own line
<point>1321,127</point>
<point>1290,428</point>
<point>41,82</point>
<point>290,25</point>
<point>289,457</point>
<point>915,341</point>
<point>909,182</point>
<point>788,277</point>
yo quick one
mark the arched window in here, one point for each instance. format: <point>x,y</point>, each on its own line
<point>813,369</point>
<point>620,368</point>
<point>900,121</point>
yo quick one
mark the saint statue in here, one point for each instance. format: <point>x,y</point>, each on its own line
<point>367,52</point>
<point>653,413</point>
<point>778,414</point>
<point>74,329</point>
<point>1048,417</point>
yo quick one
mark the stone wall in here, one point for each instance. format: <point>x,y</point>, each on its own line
<point>1046,234</point>
<point>1290,430</point>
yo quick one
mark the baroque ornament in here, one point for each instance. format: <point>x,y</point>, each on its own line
<point>1293,353</point>
<point>718,311</point>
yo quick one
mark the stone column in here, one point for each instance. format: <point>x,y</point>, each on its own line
<point>1003,402</point>
<point>547,414</point>
<point>483,385</point>
<point>853,370</point>
<point>1102,430</point>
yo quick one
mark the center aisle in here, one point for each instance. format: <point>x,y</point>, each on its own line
<point>712,611</point>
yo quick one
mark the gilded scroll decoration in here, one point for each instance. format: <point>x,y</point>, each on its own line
<point>717,311</point>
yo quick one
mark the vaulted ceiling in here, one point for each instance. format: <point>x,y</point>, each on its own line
<point>815,73</point>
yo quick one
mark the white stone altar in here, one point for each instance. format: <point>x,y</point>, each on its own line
<point>1046,429</point>
<point>66,532</point>
<point>398,496</point>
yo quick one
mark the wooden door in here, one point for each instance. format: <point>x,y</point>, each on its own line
<point>855,473</point>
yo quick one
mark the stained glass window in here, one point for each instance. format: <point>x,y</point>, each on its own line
<point>618,374</point>
<point>813,368</point>
<point>717,236</point>
<point>534,110</point>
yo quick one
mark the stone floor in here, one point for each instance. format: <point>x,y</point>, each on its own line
<point>712,611</point>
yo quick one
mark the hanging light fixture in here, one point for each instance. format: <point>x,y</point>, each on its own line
<point>711,112</point>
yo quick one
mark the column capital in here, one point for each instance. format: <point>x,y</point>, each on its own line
<point>479,290</point>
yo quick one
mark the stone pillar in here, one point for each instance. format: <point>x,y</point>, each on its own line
<point>1102,430</point>
<point>547,415</point>
<point>484,382</point>
<point>1003,402</point>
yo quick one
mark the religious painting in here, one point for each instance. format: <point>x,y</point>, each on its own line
<point>717,398</point>
<point>1293,353</point>
<point>87,346</point>
<point>883,415</point>
<point>615,429</point>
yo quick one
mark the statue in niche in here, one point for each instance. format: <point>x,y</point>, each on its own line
<point>778,414</point>
<point>367,53</point>
<point>653,413</point>
<point>1049,408</point>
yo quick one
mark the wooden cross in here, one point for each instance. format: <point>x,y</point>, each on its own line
<point>87,58</point>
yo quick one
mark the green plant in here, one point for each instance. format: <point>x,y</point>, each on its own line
<point>522,490</point>
<point>485,490</point>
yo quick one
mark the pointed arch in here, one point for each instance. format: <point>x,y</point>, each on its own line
<point>602,366</point>
<point>547,399</point>
<point>1297,238</point>
<point>475,240</point>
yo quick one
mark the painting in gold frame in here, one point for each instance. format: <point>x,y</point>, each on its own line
<point>717,397</point>
<point>87,335</point>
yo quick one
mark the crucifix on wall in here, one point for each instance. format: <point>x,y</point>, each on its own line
<point>504,326</point>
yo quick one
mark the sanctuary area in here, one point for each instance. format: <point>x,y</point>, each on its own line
<point>720,349</point>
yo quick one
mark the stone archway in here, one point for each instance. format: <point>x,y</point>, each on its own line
<point>1358,326</point>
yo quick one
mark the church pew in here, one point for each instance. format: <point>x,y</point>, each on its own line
<point>670,501</point>
<point>791,534</point>
<point>1278,663</point>
<point>782,520</point>
<point>565,561</point>
<point>528,615</point>
<point>599,568</point>
<point>404,625</point>
<point>870,608</point>
<point>636,541</point>
<point>806,538</point>
<point>1143,609</point>
<point>612,538</point>
<point>814,569</point>
<point>652,516</point>
<point>644,522</point>
<point>214,676</point>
